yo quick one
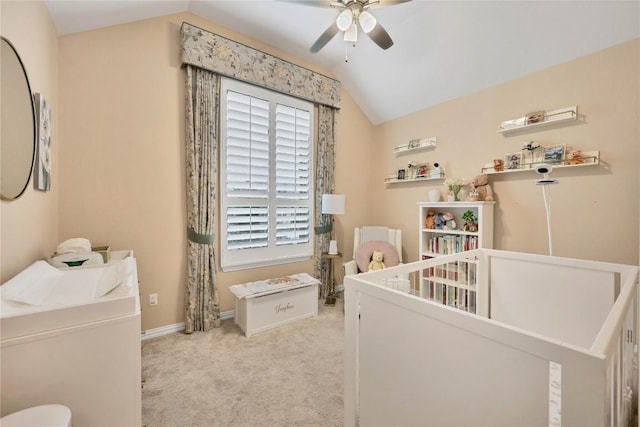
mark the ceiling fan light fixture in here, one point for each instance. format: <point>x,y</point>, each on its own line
<point>345,20</point>
<point>367,21</point>
<point>351,34</point>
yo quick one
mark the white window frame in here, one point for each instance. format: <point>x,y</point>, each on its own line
<point>232,260</point>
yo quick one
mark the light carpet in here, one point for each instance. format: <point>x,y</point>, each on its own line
<point>288,376</point>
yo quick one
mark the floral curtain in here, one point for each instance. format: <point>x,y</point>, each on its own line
<point>325,182</point>
<point>202,87</point>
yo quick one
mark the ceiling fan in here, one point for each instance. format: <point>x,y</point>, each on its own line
<point>353,13</point>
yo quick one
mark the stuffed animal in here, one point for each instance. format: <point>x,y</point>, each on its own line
<point>376,261</point>
<point>449,222</point>
<point>575,157</point>
<point>439,220</point>
<point>481,184</point>
<point>429,221</point>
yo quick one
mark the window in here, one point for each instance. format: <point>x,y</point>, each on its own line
<point>266,178</point>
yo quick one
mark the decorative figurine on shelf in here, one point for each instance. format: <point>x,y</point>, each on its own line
<point>470,221</point>
<point>474,196</point>
<point>434,195</point>
<point>530,146</point>
<point>575,157</point>
<point>429,221</point>
<point>449,222</point>
<point>481,184</point>
<point>376,261</point>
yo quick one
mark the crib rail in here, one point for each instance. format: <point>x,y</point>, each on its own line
<point>617,341</point>
<point>587,378</point>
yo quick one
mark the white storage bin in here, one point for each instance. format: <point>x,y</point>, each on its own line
<point>262,310</point>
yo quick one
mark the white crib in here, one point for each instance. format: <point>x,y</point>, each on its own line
<point>509,339</point>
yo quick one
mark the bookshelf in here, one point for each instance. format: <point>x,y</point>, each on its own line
<point>453,284</point>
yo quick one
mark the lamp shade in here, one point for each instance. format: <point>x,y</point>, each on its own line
<point>333,204</point>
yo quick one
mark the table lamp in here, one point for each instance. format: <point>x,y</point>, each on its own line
<point>332,204</point>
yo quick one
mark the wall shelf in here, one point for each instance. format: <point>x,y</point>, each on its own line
<point>539,119</point>
<point>394,180</point>
<point>590,158</point>
<point>416,144</point>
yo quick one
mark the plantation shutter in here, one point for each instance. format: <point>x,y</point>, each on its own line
<point>293,174</point>
<point>247,171</point>
<point>267,177</point>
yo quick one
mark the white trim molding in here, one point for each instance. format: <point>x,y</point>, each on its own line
<point>177,327</point>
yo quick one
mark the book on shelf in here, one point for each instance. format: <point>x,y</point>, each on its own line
<point>461,272</point>
<point>452,284</point>
<point>452,244</point>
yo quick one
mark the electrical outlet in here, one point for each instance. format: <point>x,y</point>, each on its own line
<point>153,300</point>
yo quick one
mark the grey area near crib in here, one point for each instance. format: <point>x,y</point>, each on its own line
<point>292,375</point>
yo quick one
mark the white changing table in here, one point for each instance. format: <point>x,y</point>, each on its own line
<point>84,356</point>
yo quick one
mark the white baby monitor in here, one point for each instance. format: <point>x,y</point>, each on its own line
<point>544,170</point>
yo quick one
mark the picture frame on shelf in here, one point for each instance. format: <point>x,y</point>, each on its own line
<point>401,173</point>
<point>554,154</point>
<point>513,160</point>
<point>422,170</point>
<point>534,117</point>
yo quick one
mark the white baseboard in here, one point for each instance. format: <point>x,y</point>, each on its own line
<point>177,327</point>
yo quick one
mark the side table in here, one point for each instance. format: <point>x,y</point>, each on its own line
<point>331,294</point>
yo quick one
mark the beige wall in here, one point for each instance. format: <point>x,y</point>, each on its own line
<point>29,225</point>
<point>354,165</point>
<point>594,209</point>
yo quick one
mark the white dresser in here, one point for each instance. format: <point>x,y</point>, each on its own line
<point>86,356</point>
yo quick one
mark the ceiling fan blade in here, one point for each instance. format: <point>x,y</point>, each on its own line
<point>325,37</point>
<point>375,4</point>
<point>316,3</point>
<point>380,36</point>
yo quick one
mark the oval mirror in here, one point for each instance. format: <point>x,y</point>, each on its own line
<point>17,125</point>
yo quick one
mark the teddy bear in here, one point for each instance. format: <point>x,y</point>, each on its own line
<point>439,220</point>
<point>376,261</point>
<point>481,184</point>
<point>575,157</point>
<point>429,221</point>
<point>449,222</point>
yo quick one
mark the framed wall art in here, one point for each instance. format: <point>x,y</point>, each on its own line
<point>42,168</point>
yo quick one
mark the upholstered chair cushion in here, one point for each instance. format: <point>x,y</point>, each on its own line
<point>365,250</point>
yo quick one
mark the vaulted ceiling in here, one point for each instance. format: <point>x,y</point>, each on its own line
<point>442,49</point>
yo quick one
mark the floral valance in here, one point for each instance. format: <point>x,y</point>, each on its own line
<point>220,55</point>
